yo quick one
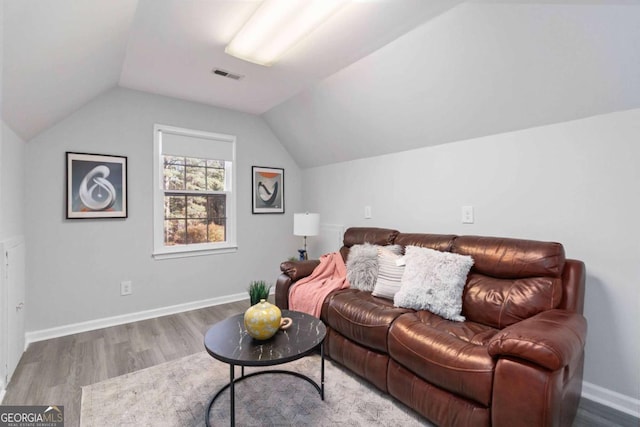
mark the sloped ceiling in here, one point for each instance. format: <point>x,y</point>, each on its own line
<point>173,46</point>
<point>59,54</point>
<point>383,76</point>
<point>482,68</point>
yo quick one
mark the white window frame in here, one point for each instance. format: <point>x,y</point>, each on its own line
<point>160,251</point>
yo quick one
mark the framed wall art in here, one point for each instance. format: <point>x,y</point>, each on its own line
<point>267,190</point>
<point>96,186</point>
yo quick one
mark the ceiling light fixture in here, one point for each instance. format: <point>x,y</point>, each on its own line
<point>277,25</point>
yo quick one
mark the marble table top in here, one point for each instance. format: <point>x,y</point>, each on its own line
<point>229,342</point>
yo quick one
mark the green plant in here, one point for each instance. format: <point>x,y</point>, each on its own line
<point>258,289</point>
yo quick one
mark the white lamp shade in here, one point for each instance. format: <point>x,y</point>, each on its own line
<point>306,224</point>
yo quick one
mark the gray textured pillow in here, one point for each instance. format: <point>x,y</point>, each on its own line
<point>434,281</point>
<point>389,273</point>
<point>362,266</point>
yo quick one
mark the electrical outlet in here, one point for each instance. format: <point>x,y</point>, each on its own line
<point>467,214</point>
<point>126,288</point>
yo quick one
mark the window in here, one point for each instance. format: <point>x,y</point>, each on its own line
<point>194,201</point>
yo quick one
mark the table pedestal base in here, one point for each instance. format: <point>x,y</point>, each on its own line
<point>233,381</point>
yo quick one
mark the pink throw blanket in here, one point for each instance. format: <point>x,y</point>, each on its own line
<point>308,293</point>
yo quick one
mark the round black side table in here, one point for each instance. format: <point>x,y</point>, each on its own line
<point>229,342</point>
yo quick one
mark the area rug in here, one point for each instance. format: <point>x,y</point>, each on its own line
<point>177,393</point>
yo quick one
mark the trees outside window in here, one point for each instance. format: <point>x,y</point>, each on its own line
<point>195,192</point>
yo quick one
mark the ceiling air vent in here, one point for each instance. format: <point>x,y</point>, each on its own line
<point>227,74</point>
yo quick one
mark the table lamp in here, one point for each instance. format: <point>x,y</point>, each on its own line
<point>305,224</point>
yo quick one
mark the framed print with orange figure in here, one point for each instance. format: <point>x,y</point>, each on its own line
<point>267,190</point>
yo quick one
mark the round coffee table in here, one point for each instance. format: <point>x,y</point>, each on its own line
<point>229,342</point>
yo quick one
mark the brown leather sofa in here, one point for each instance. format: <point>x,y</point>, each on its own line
<point>517,359</point>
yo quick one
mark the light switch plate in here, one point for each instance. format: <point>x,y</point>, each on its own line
<point>367,212</point>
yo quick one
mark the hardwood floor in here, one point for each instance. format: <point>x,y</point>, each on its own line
<point>52,372</point>
<point>594,414</point>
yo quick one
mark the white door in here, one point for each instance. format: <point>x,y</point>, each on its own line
<point>14,263</point>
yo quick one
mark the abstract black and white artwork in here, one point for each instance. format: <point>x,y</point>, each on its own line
<point>96,186</point>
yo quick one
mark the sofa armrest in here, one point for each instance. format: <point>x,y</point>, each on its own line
<point>292,271</point>
<point>299,269</point>
<point>551,339</point>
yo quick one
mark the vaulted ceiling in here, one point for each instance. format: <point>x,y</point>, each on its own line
<point>381,76</point>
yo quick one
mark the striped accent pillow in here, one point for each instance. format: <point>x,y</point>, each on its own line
<point>390,270</point>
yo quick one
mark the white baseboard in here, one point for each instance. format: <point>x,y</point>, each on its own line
<point>91,325</point>
<point>612,399</point>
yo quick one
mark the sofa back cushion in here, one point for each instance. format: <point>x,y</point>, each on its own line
<point>360,235</point>
<point>512,258</point>
<point>511,279</point>
<point>439,242</point>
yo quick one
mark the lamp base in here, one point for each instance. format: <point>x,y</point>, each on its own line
<point>303,254</point>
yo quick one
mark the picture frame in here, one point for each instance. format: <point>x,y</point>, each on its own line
<point>96,186</point>
<point>267,185</point>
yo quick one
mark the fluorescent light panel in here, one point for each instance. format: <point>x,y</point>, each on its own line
<point>277,25</point>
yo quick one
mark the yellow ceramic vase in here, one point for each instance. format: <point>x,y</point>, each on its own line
<point>263,320</point>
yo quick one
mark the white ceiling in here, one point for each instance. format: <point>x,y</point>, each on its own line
<point>59,54</point>
<point>382,76</point>
<point>480,69</point>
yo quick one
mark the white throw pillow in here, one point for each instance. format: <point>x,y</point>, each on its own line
<point>434,281</point>
<point>390,270</point>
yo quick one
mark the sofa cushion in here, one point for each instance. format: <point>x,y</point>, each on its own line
<point>450,355</point>
<point>511,279</point>
<point>390,270</point>
<point>437,405</point>
<point>362,318</point>
<point>362,266</point>
<point>367,363</point>
<point>433,281</point>
<point>439,242</point>
<point>503,302</point>
<point>511,258</point>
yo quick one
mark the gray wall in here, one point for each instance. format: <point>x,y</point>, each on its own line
<point>575,182</point>
<point>75,266</point>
